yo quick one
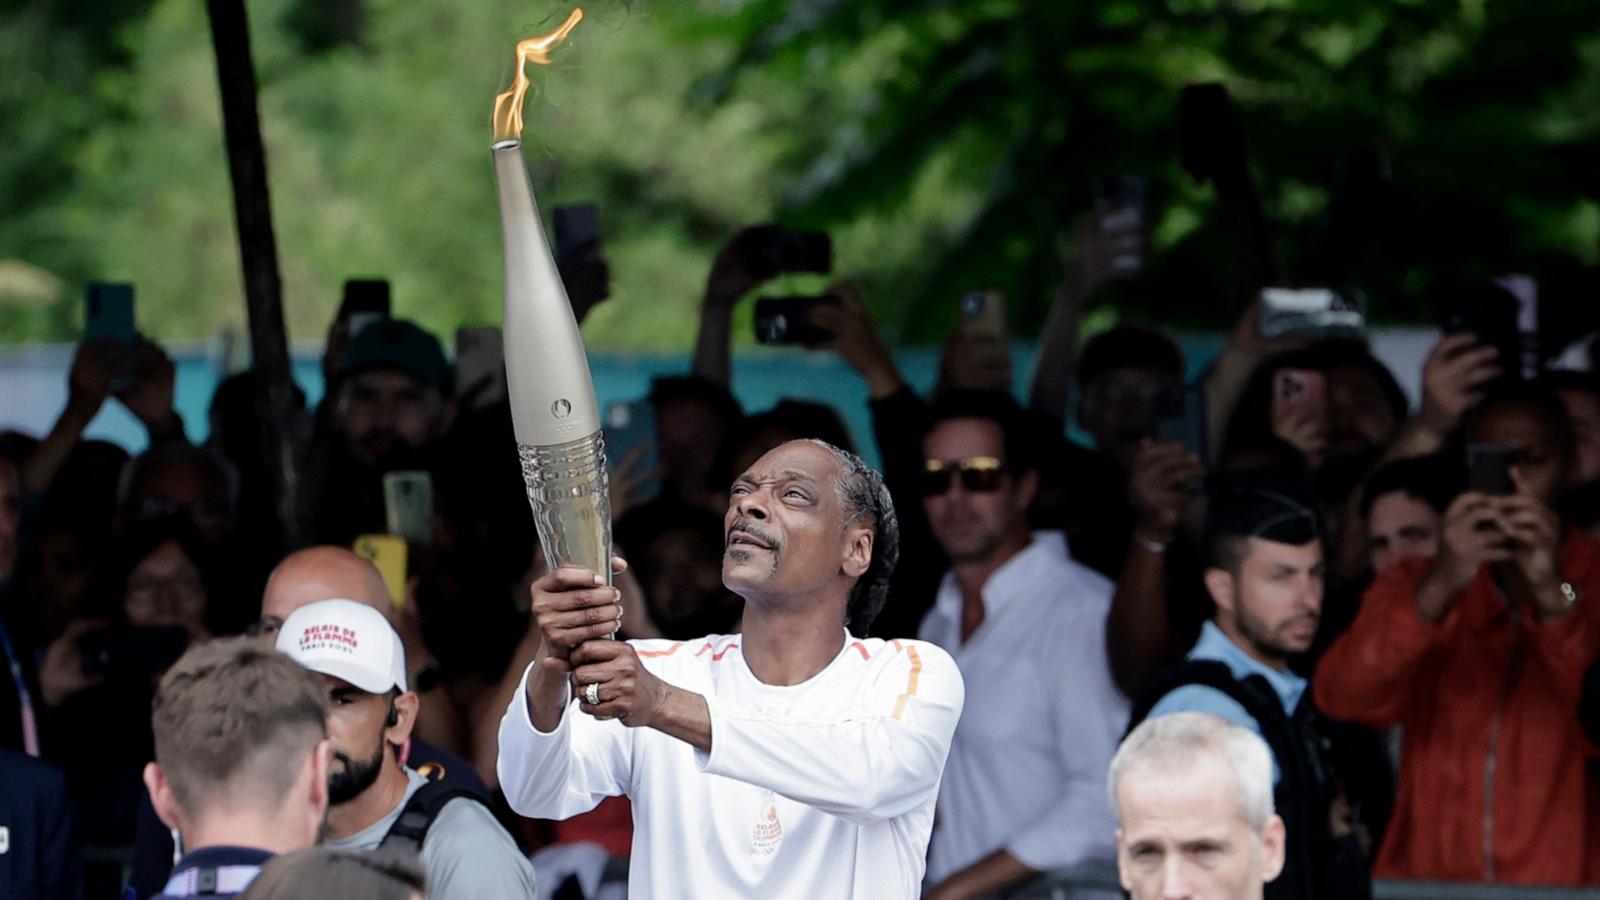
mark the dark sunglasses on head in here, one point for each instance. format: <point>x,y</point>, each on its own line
<point>979,474</point>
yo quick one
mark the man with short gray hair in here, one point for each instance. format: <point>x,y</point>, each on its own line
<point>1193,798</point>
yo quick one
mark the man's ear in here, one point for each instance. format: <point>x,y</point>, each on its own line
<point>161,796</point>
<point>858,550</point>
<point>1220,585</point>
<point>1273,839</point>
<point>321,759</point>
<point>1028,487</point>
<point>405,718</point>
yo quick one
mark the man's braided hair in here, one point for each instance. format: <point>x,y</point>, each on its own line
<point>863,493</point>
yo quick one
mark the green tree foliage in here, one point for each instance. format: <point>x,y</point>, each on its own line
<point>946,144</point>
<point>1482,116</point>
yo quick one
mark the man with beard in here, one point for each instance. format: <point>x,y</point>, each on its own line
<point>1024,791</point>
<point>1265,574</point>
<point>392,404</point>
<point>374,800</point>
<point>304,577</point>
<point>793,760</point>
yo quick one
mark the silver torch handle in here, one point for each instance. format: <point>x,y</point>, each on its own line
<point>553,409</point>
<point>570,493</point>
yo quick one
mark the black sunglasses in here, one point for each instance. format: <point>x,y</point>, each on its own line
<point>978,474</point>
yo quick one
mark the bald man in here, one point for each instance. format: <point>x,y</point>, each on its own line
<point>302,578</point>
<point>322,573</point>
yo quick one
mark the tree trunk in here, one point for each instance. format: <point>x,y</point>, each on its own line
<point>258,254</point>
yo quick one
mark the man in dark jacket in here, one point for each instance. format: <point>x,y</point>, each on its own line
<point>38,852</point>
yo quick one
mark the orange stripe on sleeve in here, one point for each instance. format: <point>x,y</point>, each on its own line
<point>911,683</point>
<point>667,652</point>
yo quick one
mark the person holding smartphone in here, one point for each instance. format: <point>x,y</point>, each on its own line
<point>1479,654</point>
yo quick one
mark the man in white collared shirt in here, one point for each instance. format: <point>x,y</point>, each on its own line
<point>1023,790</point>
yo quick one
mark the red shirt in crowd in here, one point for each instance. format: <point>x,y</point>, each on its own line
<point>1492,766</point>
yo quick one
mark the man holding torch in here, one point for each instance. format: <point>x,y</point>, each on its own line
<point>792,760</point>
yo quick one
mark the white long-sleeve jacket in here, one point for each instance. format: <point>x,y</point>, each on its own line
<point>820,789</point>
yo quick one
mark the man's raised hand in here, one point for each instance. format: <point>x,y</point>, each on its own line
<point>572,605</point>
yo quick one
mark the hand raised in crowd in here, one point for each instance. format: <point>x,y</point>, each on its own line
<point>1302,421</point>
<point>150,396</point>
<point>739,268</point>
<point>89,380</point>
<point>626,689</point>
<point>1470,537</point>
<point>1101,250</point>
<point>1161,485</point>
<point>1534,532</point>
<point>629,481</point>
<point>1453,377</point>
<point>572,605</point>
<point>975,359</point>
<point>855,339</point>
<point>61,673</point>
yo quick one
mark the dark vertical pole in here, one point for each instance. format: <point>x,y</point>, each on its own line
<point>258,252</point>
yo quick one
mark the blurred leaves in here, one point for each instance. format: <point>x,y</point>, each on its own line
<point>946,144</point>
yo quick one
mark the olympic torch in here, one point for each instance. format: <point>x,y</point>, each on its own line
<point>553,410</point>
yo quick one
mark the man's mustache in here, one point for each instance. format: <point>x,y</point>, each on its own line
<point>742,527</point>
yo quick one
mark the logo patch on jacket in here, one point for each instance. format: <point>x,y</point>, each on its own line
<point>767,833</point>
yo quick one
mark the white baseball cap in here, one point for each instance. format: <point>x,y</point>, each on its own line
<point>348,640</point>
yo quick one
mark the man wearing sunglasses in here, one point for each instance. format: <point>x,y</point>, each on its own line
<point>1023,790</point>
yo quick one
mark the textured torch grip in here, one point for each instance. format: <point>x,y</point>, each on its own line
<point>571,498</point>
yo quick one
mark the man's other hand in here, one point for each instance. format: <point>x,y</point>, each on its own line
<point>627,691</point>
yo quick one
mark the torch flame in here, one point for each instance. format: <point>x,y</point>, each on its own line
<point>508,106</point>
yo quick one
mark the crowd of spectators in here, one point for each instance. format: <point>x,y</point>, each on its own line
<point>1401,600</point>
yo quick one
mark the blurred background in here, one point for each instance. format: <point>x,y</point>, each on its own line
<point>943,145</point>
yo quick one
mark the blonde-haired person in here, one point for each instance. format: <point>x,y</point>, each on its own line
<point>241,767</point>
<point>1192,794</point>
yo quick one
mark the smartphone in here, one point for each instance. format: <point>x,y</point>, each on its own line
<point>108,313</point>
<point>1489,312</point>
<point>780,250</point>
<point>984,312</point>
<point>1310,314</point>
<point>576,225</point>
<point>1208,130</point>
<point>1119,202</point>
<point>131,650</point>
<point>1525,289</point>
<point>480,366</point>
<point>630,429</point>
<point>389,554</point>
<point>366,300</point>
<point>786,320</point>
<point>408,505</point>
<point>1489,468</point>
<point>1181,419</point>
<point>108,317</point>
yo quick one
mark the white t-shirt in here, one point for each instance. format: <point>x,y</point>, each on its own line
<point>466,855</point>
<point>820,789</point>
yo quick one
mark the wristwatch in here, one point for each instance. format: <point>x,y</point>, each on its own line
<point>1569,595</point>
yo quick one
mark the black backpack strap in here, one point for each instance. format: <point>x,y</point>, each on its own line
<point>409,830</point>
